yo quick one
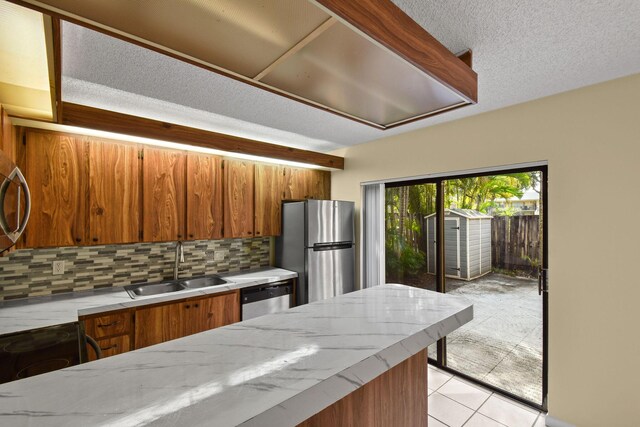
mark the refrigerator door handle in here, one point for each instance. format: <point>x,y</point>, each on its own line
<point>331,246</point>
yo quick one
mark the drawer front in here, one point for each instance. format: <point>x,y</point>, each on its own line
<point>111,346</point>
<point>105,326</point>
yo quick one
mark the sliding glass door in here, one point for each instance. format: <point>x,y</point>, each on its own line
<point>481,237</point>
<point>409,248</point>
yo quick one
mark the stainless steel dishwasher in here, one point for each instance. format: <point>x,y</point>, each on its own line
<point>266,299</point>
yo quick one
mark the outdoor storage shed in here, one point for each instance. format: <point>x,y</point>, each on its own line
<point>467,243</point>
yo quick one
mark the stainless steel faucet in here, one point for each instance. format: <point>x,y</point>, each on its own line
<point>179,259</point>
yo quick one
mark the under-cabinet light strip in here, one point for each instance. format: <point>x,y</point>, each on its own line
<point>155,142</point>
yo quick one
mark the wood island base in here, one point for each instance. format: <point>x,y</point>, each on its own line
<point>398,397</point>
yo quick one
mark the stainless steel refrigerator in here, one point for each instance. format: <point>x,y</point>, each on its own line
<point>317,242</point>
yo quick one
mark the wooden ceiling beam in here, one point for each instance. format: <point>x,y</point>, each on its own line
<point>466,57</point>
<point>111,121</point>
<point>387,24</point>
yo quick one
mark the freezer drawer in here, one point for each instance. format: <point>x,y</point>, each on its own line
<point>330,272</point>
<point>329,221</point>
<point>266,300</point>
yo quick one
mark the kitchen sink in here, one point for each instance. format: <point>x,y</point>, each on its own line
<point>203,282</point>
<point>153,289</point>
<point>147,289</point>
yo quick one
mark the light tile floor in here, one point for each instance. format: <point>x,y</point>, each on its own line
<point>454,402</point>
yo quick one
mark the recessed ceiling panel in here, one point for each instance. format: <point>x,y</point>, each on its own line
<point>242,36</point>
<point>366,61</point>
<point>346,72</point>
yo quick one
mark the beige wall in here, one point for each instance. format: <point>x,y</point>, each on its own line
<point>591,140</point>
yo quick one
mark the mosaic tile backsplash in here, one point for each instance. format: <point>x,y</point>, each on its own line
<point>29,272</point>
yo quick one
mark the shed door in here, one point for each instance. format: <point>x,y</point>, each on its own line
<point>452,247</point>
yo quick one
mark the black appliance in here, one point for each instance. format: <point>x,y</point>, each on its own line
<point>37,351</point>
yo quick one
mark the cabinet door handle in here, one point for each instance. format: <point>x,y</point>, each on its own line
<point>187,306</point>
<point>109,324</point>
<point>109,348</point>
<point>197,305</point>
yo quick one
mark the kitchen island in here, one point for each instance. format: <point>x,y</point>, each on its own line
<point>275,370</point>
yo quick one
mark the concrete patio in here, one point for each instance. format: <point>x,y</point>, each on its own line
<point>502,346</point>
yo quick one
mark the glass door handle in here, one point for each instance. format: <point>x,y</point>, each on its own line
<point>542,281</point>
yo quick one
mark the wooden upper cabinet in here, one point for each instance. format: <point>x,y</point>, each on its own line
<point>163,187</point>
<point>56,170</point>
<point>318,184</point>
<point>238,198</point>
<point>204,197</point>
<point>114,197</point>
<point>269,181</point>
<point>295,187</point>
<point>301,184</point>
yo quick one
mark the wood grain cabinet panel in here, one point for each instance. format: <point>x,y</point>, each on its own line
<point>111,346</point>
<point>295,184</point>
<point>7,143</point>
<point>204,197</point>
<point>212,312</point>
<point>108,325</point>
<point>398,397</point>
<point>302,184</point>
<point>114,198</point>
<point>158,324</point>
<point>269,181</point>
<point>56,170</point>
<point>238,198</point>
<point>163,188</point>
<point>170,321</point>
<point>318,184</point>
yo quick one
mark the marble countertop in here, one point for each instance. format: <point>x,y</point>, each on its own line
<point>275,370</point>
<point>38,312</point>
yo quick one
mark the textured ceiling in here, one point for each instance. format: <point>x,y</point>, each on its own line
<point>522,51</point>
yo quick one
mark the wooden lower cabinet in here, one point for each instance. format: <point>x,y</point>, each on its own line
<point>111,331</point>
<point>398,397</point>
<point>212,312</point>
<point>165,322</point>
<point>112,346</point>
<point>108,325</point>
<point>158,324</point>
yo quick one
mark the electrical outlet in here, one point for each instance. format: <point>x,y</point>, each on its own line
<point>219,255</point>
<point>58,267</point>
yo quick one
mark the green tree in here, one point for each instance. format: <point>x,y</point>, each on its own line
<point>480,193</point>
<point>406,207</point>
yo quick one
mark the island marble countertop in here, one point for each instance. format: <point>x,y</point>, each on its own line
<point>275,370</point>
<point>38,312</point>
